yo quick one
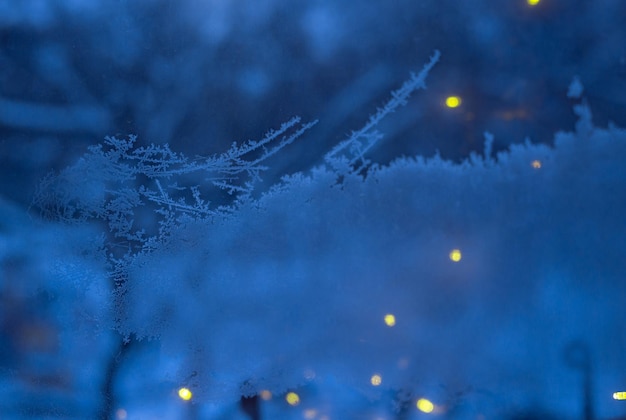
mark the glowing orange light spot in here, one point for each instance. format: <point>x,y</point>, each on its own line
<point>266,395</point>
<point>536,164</point>
<point>512,114</point>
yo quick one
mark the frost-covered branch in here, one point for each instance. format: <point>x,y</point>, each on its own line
<point>350,153</point>
<point>114,180</point>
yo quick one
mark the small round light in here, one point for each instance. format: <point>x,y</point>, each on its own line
<point>453,101</point>
<point>185,394</point>
<point>376,379</point>
<point>292,398</point>
<point>533,2</point>
<point>536,164</point>
<point>425,406</point>
<point>390,320</point>
<point>455,255</point>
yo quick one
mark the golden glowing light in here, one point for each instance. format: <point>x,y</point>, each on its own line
<point>185,394</point>
<point>390,320</point>
<point>292,398</point>
<point>533,2</point>
<point>455,255</point>
<point>453,101</point>
<point>619,395</point>
<point>536,164</point>
<point>266,395</point>
<point>425,406</point>
<point>376,379</point>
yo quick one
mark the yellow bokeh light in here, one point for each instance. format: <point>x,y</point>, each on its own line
<point>453,101</point>
<point>533,2</point>
<point>455,255</point>
<point>292,398</point>
<point>390,320</point>
<point>619,395</point>
<point>536,164</point>
<point>376,379</point>
<point>185,394</point>
<point>266,395</point>
<point>425,406</point>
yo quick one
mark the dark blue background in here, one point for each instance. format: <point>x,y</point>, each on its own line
<point>201,74</point>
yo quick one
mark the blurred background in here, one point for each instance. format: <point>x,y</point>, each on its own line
<point>201,74</point>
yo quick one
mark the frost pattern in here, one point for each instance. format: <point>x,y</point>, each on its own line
<point>301,279</point>
<point>349,155</point>
<point>115,181</point>
<point>259,294</point>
